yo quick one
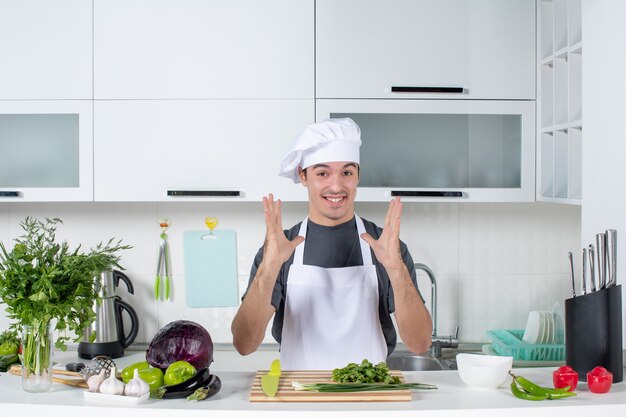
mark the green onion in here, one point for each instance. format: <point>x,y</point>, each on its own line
<point>356,387</point>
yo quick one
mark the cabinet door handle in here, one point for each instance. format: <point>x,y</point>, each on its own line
<point>10,193</point>
<point>454,194</point>
<point>203,193</point>
<point>405,89</point>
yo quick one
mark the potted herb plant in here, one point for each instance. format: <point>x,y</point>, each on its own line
<point>47,286</point>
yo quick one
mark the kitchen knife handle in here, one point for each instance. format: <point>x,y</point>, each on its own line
<point>203,193</point>
<point>571,269</point>
<point>601,255</point>
<point>408,89</point>
<point>592,269</point>
<point>584,274</point>
<point>10,193</point>
<point>611,256</point>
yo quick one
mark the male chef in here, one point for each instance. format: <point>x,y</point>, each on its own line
<point>332,281</point>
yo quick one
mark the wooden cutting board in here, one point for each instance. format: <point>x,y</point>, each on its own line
<point>286,393</point>
<point>77,381</point>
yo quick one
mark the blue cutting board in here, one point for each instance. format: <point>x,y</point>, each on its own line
<point>211,268</point>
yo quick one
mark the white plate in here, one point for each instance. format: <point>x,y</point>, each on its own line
<point>532,333</point>
<point>114,399</point>
<point>552,328</point>
<point>559,323</point>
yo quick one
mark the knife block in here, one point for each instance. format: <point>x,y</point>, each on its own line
<point>593,332</point>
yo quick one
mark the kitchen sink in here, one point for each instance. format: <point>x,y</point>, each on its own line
<point>408,362</point>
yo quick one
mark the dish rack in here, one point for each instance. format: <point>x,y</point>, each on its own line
<point>510,343</point>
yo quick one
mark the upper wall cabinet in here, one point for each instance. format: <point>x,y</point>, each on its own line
<point>46,150</point>
<point>195,150</point>
<point>459,49</point>
<point>191,49</point>
<point>45,49</point>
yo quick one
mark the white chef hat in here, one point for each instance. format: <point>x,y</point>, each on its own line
<point>330,140</point>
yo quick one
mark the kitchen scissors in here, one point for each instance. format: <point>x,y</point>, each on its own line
<point>163,265</point>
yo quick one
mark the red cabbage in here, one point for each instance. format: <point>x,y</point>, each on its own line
<point>181,340</point>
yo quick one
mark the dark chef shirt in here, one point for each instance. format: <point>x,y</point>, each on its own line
<point>337,247</point>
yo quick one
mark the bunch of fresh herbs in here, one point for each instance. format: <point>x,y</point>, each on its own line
<point>10,336</point>
<point>366,372</point>
<point>42,281</point>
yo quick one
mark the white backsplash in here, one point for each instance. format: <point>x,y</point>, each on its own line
<point>494,262</point>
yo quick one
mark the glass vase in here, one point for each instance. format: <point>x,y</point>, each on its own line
<point>37,357</point>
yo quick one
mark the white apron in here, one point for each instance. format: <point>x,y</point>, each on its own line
<point>331,314</point>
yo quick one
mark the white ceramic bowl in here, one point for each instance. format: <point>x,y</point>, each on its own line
<point>483,371</point>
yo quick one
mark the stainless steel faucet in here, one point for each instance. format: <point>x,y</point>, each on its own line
<point>438,342</point>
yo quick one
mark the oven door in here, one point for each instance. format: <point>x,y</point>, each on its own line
<point>442,150</point>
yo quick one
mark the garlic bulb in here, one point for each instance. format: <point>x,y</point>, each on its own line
<point>94,381</point>
<point>112,385</point>
<point>136,387</point>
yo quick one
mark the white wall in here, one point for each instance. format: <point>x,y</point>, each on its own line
<point>494,262</point>
<point>604,109</point>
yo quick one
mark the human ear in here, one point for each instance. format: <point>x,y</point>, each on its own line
<point>302,174</point>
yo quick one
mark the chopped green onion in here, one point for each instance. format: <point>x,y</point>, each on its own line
<point>356,387</point>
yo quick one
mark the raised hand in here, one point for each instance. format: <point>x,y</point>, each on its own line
<point>387,246</point>
<point>277,248</point>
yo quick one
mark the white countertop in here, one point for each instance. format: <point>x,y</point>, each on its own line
<point>452,398</point>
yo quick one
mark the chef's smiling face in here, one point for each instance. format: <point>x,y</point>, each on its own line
<point>332,190</point>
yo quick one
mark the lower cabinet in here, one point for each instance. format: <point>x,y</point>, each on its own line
<point>195,150</point>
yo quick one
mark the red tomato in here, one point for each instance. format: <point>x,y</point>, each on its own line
<point>565,376</point>
<point>599,380</point>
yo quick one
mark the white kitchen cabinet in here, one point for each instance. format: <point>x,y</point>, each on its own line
<point>192,49</point>
<point>195,150</point>
<point>46,150</point>
<point>46,49</point>
<point>442,150</point>
<point>560,127</point>
<point>485,48</point>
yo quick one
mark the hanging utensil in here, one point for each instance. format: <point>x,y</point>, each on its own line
<point>592,269</point>
<point>611,257</point>
<point>571,269</point>
<point>163,265</point>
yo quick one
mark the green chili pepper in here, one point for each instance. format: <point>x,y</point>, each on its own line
<point>535,389</point>
<point>517,392</point>
<point>528,390</point>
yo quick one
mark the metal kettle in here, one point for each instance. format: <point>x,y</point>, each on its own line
<point>110,336</point>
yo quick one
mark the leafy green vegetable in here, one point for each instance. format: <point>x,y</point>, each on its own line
<point>357,387</point>
<point>43,281</point>
<point>10,336</point>
<point>364,373</point>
